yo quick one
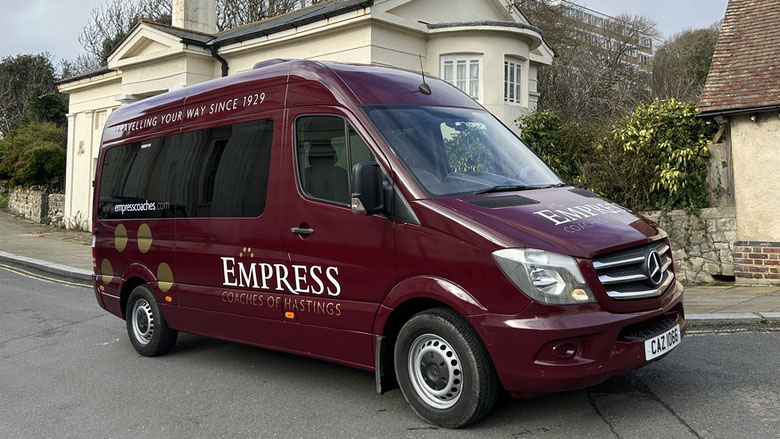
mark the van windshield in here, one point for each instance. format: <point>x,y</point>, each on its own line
<point>456,151</point>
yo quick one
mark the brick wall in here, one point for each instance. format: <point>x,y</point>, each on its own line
<point>757,262</point>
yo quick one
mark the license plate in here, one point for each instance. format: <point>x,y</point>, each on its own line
<point>661,344</point>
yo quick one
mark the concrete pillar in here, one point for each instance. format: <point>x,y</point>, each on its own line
<point>69,163</point>
<point>196,15</point>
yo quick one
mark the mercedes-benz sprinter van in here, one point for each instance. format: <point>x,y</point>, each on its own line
<point>360,215</point>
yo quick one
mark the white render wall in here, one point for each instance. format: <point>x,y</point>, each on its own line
<point>493,47</point>
<point>347,42</point>
<point>90,104</point>
<point>754,156</point>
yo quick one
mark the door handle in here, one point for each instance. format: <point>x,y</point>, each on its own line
<point>302,231</point>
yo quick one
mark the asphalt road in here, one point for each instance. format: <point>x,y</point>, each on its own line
<point>67,369</point>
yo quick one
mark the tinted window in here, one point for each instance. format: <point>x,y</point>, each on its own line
<point>136,182</point>
<point>358,150</point>
<point>217,172</point>
<point>322,158</point>
<point>325,158</point>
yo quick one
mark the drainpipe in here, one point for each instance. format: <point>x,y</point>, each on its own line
<point>215,54</point>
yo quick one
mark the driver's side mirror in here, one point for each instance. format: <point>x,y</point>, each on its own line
<point>367,193</point>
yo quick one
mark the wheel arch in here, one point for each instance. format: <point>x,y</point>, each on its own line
<point>133,276</point>
<point>406,299</point>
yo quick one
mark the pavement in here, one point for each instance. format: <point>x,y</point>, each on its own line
<point>64,253</point>
<point>67,369</point>
<point>67,254</point>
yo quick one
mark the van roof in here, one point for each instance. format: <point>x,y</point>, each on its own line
<point>289,83</point>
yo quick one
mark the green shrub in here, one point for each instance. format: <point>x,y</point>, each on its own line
<point>4,201</point>
<point>34,154</point>
<point>564,145</point>
<point>654,158</point>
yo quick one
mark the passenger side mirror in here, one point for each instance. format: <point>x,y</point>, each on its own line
<point>367,193</point>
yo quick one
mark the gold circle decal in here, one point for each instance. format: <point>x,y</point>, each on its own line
<point>164,277</point>
<point>120,238</point>
<point>144,238</point>
<point>107,271</point>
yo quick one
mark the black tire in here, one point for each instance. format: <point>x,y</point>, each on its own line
<point>149,340</point>
<point>473,395</point>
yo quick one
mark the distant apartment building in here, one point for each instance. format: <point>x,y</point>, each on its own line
<point>600,30</point>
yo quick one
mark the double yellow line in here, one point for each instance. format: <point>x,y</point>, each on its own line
<point>40,277</point>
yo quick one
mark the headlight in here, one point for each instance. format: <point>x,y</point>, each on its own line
<point>546,277</point>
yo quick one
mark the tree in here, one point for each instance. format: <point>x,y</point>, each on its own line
<point>654,158</point>
<point>34,154</point>
<point>681,64</point>
<point>594,76</point>
<point>26,81</point>
<point>83,63</point>
<point>110,22</point>
<point>564,145</point>
<point>233,13</point>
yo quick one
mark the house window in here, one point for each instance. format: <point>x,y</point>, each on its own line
<point>464,72</point>
<point>512,87</point>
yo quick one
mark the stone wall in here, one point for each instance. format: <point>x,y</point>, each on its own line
<point>703,245</point>
<point>56,213</point>
<point>28,203</point>
<point>37,205</point>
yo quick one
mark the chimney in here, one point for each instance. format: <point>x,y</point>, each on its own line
<point>196,15</point>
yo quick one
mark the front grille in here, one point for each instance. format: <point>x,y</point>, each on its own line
<point>647,330</point>
<point>625,274</point>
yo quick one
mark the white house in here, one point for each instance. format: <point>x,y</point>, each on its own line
<point>487,48</point>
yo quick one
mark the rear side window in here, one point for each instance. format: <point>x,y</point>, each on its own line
<point>327,149</point>
<point>216,172</point>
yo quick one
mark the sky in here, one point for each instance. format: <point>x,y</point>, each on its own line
<point>672,16</point>
<point>31,26</point>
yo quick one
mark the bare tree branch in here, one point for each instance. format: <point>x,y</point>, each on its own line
<point>595,75</point>
<point>681,64</point>
<point>23,78</point>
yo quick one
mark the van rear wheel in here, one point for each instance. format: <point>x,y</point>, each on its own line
<point>444,370</point>
<point>146,326</point>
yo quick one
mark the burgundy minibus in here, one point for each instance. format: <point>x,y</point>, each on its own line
<point>371,217</point>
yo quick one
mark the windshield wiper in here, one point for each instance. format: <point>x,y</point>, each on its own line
<point>505,188</point>
<point>517,187</point>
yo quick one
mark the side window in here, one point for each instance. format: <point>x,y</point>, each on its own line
<point>323,163</point>
<point>226,170</point>
<point>136,180</point>
<point>216,172</point>
<point>358,150</point>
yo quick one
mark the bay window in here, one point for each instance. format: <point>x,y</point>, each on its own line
<point>464,72</point>
<point>512,83</point>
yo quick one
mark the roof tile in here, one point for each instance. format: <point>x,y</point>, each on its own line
<point>743,73</point>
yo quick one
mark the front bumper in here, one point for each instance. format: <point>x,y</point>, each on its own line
<point>519,345</point>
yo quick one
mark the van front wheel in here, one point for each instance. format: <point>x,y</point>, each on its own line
<point>444,370</point>
<point>146,326</point>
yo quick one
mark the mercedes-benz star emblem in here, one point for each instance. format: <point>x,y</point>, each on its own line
<point>653,267</point>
